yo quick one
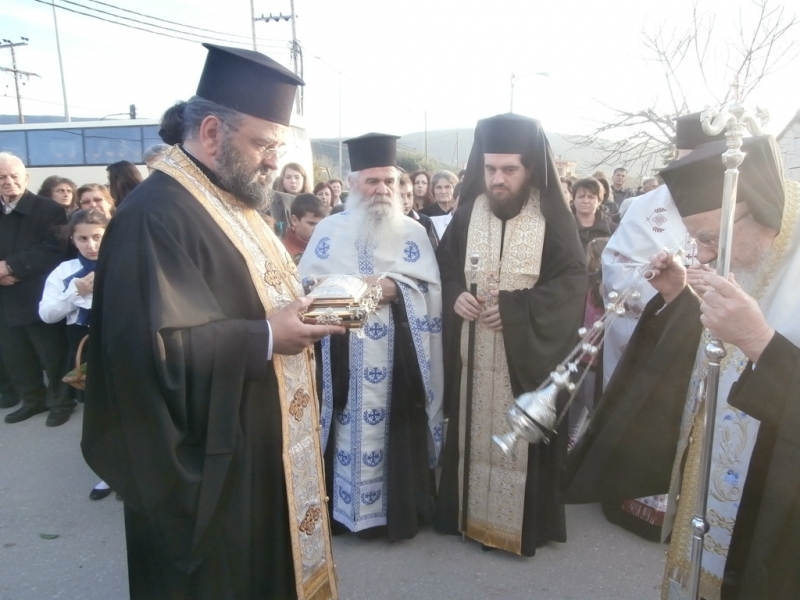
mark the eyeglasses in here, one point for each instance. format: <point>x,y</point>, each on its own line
<point>712,240</point>
<point>266,151</point>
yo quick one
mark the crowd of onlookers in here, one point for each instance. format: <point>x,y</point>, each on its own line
<point>59,319</point>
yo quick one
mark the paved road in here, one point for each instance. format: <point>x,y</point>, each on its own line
<point>44,488</point>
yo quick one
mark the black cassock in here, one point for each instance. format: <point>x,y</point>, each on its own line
<point>540,327</point>
<point>409,478</point>
<point>182,414</point>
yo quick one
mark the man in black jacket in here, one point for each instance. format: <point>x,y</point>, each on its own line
<point>29,250</point>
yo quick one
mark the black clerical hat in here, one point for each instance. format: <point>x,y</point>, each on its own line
<point>689,132</point>
<point>509,134</point>
<point>248,82</point>
<point>372,150</point>
<point>696,180</point>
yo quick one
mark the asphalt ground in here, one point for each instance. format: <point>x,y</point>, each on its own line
<point>56,543</point>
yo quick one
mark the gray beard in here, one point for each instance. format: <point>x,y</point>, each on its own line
<point>240,179</point>
<point>375,221</point>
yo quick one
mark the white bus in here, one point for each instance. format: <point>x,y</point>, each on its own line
<point>81,150</point>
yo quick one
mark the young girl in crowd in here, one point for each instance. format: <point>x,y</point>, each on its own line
<point>68,290</point>
<point>595,307</point>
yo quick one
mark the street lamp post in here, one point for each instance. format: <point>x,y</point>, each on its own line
<point>515,78</point>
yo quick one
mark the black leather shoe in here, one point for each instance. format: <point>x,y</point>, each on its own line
<point>58,416</point>
<point>8,400</point>
<point>99,493</point>
<point>26,412</point>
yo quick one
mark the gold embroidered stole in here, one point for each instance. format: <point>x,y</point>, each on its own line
<point>275,278</point>
<point>496,492</point>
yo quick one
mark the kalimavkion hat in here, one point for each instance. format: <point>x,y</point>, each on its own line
<point>696,180</point>
<point>372,150</point>
<point>248,82</point>
<point>509,133</point>
<point>689,132</point>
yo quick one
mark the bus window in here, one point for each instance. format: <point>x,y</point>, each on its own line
<point>109,145</point>
<point>55,147</point>
<point>151,136</point>
<point>14,142</point>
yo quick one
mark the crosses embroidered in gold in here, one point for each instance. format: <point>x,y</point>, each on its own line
<point>272,276</point>
<point>301,400</point>
<point>313,514</point>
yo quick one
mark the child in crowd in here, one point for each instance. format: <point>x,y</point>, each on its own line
<point>68,291</point>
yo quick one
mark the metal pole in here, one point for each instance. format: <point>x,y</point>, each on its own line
<point>341,166</point>
<point>735,119</point>
<point>426,135</point>
<point>61,65</point>
<point>16,82</point>
<point>473,289</point>
<point>253,23</point>
<point>511,107</point>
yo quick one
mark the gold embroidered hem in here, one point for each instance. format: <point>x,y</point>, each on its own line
<point>275,278</point>
<point>678,565</point>
<point>496,487</point>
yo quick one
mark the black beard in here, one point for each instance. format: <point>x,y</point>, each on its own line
<point>240,179</point>
<point>508,208</point>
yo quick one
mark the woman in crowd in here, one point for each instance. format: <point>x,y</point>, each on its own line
<point>94,195</point>
<point>422,192</point>
<point>60,189</point>
<point>123,176</point>
<point>590,389</point>
<point>69,289</point>
<point>590,214</point>
<point>443,185</point>
<point>607,198</point>
<point>324,192</point>
<point>293,180</point>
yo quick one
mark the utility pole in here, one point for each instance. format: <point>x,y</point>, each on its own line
<point>253,24</point>
<point>61,65</point>
<point>297,53</point>
<point>16,72</point>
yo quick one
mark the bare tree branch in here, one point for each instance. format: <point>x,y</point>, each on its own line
<point>763,42</point>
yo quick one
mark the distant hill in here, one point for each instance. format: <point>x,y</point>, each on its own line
<point>452,147</point>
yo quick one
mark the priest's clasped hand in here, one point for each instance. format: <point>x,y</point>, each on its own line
<point>388,287</point>
<point>468,307</point>
<point>667,274</point>
<point>734,317</point>
<point>290,335</point>
<point>490,318</point>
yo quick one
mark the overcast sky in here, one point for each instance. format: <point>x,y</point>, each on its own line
<point>396,60</point>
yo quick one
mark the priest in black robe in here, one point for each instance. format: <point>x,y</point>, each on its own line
<point>201,408</point>
<point>531,292</point>
<point>645,436</point>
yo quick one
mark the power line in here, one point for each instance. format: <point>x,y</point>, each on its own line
<point>116,16</point>
<point>175,37</point>
<point>133,12</point>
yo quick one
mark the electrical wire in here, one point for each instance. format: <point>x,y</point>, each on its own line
<point>116,16</point>
<point>183,39</point>
<point>133,12</point>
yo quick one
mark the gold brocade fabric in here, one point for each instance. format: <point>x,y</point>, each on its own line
<point>496,489</point>
<point>275,278</point>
